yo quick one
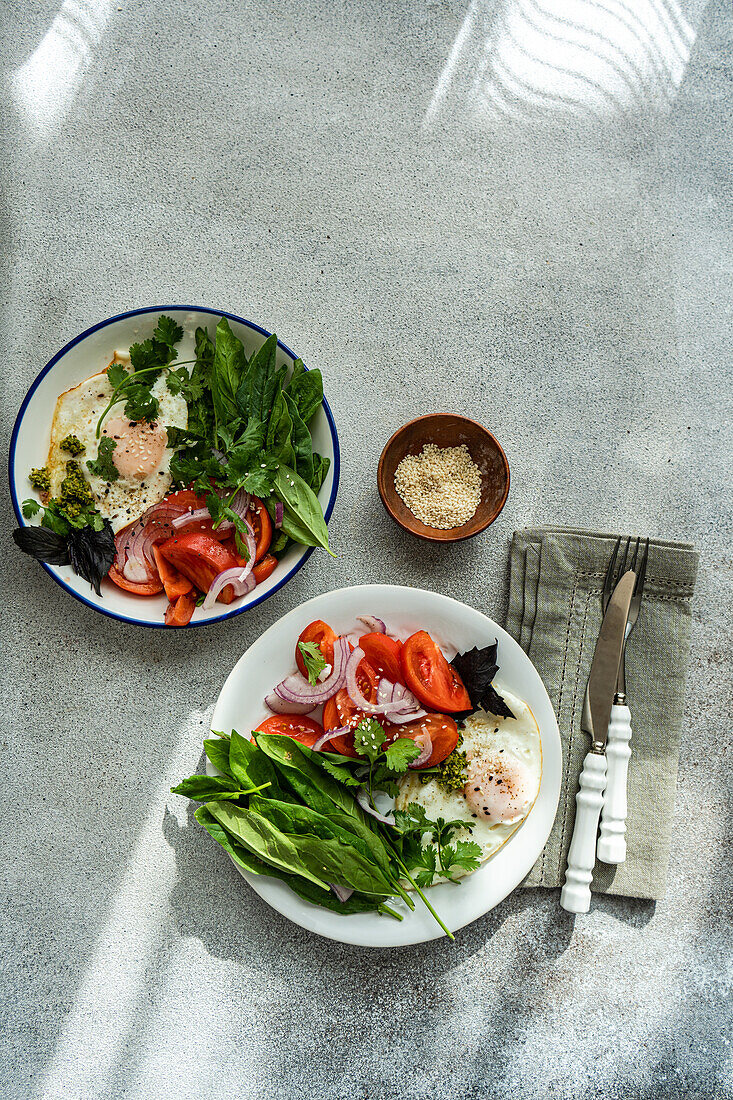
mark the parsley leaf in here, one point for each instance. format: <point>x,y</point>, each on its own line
<point>339,771</point>
<point>313,660</point>
<point>30,508</point>
<point>140,404</point>
<point>116,375</point>
<point>168,332</point>
<point>401,753</point>
<point>465,855</point>
<point>103,466</point>
<point>369,738</point>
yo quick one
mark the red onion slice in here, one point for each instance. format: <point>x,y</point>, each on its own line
<point>426,743</point>
<point>356,695</point>
<point>239,577</point>
<point>373,624</point>
<point>343,893</point>
<point>279,513</point>
<point>296,689</point>
<point>285,706</point>
<point>240,504</point>
<point>327,737</point>
<point>363,799</point>
<point>136,571</point>
<point>199,515</point>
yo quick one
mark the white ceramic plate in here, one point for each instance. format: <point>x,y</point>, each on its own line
<point>240,706</point>
<point>91,352</point>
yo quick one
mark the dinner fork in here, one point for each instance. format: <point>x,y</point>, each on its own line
<point>612,840</point>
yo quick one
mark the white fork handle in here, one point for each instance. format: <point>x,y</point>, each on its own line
<point>575,894</point>
<point>612,841</point>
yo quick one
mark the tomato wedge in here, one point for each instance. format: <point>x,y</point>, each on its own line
<point>297,726</point>
<point>340,710</point>
<point>429,676</point>
<point>264,568</point>
<point>175,583</point>
<point>443,734</point>
<point>259,517</point>
<point>200,558</point>
<point>383,654</point>
<point>320,634</point>
<point>179,612</point>
<point>146,588</point>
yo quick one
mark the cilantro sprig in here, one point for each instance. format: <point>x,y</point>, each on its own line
<point>443,855</point>
<point>147,359</point>
<point>313,660</point>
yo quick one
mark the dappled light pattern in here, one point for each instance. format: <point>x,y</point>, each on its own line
<point>591,60</point>
<point>44,87</point>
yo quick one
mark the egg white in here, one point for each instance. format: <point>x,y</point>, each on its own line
<point>77,413</point>
<point>483,735</point>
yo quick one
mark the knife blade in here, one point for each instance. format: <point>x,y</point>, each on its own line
<point>604,668</point>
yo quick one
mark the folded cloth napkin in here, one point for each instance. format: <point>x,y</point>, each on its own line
<point>555,613</point>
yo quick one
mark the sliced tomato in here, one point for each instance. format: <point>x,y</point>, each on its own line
<point>443,734</point>
<point>186,498</point>
<point>200,558</point>
<point>340,710</point>
<point>297,726</point>
<point>148,588</point>
<point>383,654</point>
<point>259,517</point>
<point>179,611</point>
<point>175,583</point>
<point>320,634</point>
<point>264,568</point>
<point>429,676</point>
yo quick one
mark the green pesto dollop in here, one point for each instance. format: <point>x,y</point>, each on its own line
<point>75,496</point>
<point>40,479</point>
<point>451,774</point>
<point>73,445</point>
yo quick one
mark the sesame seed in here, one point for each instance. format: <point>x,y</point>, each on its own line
<point>441,486</point>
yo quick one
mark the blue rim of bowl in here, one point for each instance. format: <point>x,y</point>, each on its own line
<point>82,336</point>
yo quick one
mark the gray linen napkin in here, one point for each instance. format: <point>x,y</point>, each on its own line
<point>556,577</point>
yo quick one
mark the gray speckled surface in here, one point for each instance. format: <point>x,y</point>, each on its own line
<point>508,209</point>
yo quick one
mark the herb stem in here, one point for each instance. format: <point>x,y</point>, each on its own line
<point>130,377</point>
<point>392,912</point>
<point>415,887</point>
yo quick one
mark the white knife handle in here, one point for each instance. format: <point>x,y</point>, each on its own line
<point>612,841</point>
<point>575,894</point>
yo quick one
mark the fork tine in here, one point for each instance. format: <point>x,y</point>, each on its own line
<point>623,567</point>
<point>641,575</point>
<point>608,581</point>
<point>632,566</point>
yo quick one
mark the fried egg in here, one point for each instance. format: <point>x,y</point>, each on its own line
<point>142,457</point>
<point>503,772</point>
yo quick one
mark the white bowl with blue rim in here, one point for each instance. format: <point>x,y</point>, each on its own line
<point>91,352</point>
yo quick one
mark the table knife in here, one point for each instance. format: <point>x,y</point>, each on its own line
<point>575,894</point>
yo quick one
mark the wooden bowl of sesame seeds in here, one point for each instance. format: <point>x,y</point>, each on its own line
<point>451,470</point>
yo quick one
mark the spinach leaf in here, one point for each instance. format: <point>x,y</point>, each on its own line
<point>302,514</point>
<point>248,765</point>
<point>357,903</point>
<point>229,366</point>
<point>301,442</point>
<point>279,430</point>
<point>264,840</point>
<point>321,466</point>
<point>217,750</point>
<point>256,392</point>
<point>203,788</point>
<point>306,390</point>
<point>316,789</point>
<point>340,863</point>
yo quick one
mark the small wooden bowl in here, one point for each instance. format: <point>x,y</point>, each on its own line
<point>446,430</point>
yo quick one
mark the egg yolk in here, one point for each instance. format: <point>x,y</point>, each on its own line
<point>499,787</point>
<point>139,449</point>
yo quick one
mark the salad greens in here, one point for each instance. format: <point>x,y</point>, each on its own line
<point>282,810</point>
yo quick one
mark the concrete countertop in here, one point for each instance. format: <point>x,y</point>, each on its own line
<point>510,210</point>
